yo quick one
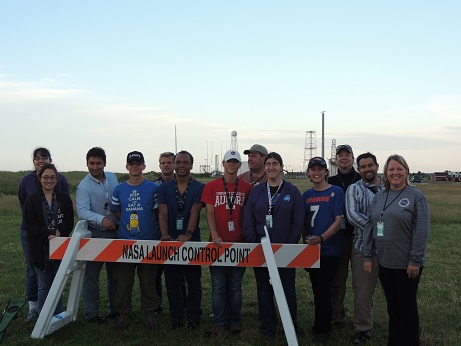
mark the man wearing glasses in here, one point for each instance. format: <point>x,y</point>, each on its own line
<point>93,197</point>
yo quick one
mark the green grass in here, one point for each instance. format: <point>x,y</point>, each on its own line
<point>439,295</point>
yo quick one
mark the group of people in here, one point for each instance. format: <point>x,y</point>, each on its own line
<point>345,214</point>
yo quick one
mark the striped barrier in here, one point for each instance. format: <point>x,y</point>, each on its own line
<point>188,253</point>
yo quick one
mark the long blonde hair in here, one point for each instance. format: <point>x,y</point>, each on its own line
<point>400,160</point>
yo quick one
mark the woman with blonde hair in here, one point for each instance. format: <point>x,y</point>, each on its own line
<point>398,230</point>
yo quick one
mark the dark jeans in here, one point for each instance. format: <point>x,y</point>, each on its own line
<point>174,282</point>
<point>402,307</point>
<point>91,291</point>
<point>45,280</point>
<point>321,280</point>
<point>267,313</point>
<point>31,278</point>
<point>338,286</point>
<point>226,294</point>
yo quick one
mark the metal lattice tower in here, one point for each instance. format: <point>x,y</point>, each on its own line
<point>310,148</point>
<point>333,150</point>
<point>333,167</point>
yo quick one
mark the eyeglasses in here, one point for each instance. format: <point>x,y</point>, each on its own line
<point>41,158</point>
<point>46,178</point>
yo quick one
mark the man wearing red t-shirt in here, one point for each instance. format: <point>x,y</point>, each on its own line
<point>225,198</point>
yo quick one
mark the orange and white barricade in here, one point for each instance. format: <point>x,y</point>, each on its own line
<point>80,248</point>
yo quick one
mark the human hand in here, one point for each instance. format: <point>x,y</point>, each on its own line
<point>217,240</point>
<point>368,266</point>
<point>183,238</point>
<point>108,224</point>
<point>166,238</point>
<point>412,272</point>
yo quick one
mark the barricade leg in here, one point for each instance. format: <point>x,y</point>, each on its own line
<point>279,293</point>
<point>47,323</point>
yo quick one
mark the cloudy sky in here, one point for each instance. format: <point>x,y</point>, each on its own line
<point>123,74</point>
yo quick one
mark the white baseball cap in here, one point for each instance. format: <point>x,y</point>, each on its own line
<point>232,154</point>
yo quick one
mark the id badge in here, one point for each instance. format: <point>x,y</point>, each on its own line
<point>343,223</point>
<point>380,228</point>
<point>179,224</point>
<point>231,226</point>
<point>269,221</point>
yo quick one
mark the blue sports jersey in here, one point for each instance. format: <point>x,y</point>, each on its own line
<point>136,205</point>
<point>321,208</point>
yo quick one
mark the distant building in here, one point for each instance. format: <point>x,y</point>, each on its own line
<point>440,176</point>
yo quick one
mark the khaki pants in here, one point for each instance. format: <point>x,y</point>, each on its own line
<point>363,285</point>
<point>125,280</point>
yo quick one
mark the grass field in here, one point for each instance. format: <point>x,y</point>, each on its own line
<point>439,293</point>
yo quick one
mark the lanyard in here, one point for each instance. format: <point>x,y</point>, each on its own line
<point>181,200</point>
<point>49,211</point>
<point>387,206</point>
<point>254,182</point>
<point>230,201</point>
<point>271,198</point>
<point>105,186</point>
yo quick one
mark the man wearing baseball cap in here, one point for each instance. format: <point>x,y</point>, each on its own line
<point>225,198</point>
<point>133,203</point>
<point>256,174</point>
<point>346,176</point>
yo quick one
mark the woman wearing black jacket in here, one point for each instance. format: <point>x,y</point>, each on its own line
<point>47,213</point>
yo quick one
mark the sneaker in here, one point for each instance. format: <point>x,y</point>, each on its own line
<point>123,321</point>
<point>149,320</point>
<point>32,315</point>
<point>97,319</point>
<point>216,331</point>
<point>361,338</point>
<point>235,328</point>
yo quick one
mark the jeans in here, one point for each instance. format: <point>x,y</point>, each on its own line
<point>226,296</point>
<point>31,278</point>
<point>45,279</point>
<point>267,313</point>
<point>321,280</point>
<point>174,281</point>
<point>402,306</point>
<point>91,291</point>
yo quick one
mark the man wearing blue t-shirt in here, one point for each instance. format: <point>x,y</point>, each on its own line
<point>179,213</point>
<point>134,203</point>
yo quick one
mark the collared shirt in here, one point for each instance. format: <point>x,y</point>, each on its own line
<point>358,208</point>
<point>93,199</point>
